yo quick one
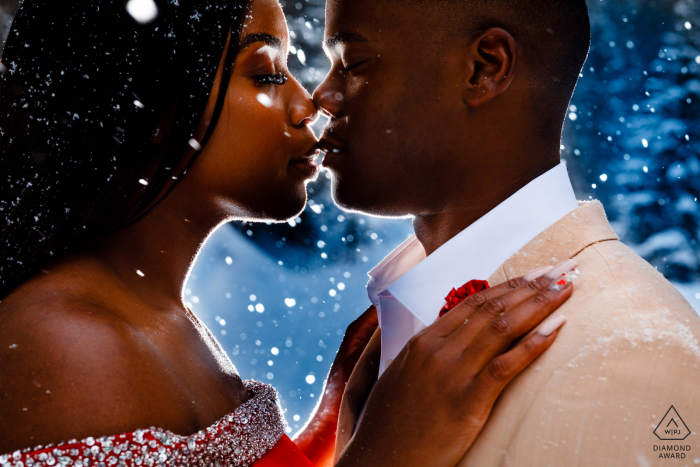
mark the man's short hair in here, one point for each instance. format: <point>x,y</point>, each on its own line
<point>554,36</point>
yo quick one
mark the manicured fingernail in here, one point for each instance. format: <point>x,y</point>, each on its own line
<point>531,276</point>
<point>568,276</point>
<point>548,328</point>
<point>561,269</point>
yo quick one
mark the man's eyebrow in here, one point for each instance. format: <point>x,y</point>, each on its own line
<point>267,39</point>
<point>343,37</point>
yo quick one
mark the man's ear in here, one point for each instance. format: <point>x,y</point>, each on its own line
<point>491,66</point>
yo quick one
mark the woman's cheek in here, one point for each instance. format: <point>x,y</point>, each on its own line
<point>258,132</point>
<point>268,126</point>
<point>262,113</point>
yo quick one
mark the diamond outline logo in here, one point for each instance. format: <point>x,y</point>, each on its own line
<point>670,422</point>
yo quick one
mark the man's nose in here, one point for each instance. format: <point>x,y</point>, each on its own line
<point>329,100</point>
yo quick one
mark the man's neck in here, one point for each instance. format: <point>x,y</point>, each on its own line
<point>468,206</point>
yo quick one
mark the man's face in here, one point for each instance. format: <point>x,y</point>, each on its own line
<point>393,95</point>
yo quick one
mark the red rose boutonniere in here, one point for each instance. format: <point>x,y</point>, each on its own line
<point>459,295</point>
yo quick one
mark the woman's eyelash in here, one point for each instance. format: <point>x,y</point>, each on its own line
<point>277,79</point>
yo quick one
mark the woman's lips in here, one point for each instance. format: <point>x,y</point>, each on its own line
<point>306,164</point>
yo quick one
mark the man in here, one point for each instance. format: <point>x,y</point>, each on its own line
<point>451,112</point>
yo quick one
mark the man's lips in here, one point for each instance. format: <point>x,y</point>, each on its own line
<point>332,147</point>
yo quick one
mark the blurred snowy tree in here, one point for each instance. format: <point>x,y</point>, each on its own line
<point>632,138</point>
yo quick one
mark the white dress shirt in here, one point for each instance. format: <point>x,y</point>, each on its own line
<point>409,289</point>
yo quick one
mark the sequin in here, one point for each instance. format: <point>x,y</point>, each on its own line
<point>238,439</point>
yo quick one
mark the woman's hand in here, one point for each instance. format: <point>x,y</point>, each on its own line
<point>317,439</point>
<point>436,396</point>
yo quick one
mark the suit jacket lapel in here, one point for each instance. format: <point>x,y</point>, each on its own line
<point>564,240</point>
<point>358,388</point>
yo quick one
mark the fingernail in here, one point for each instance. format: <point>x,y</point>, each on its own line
<point>531,276</point>
<point>561,269</point>
<point>548,328</point>
<point>569,276</point>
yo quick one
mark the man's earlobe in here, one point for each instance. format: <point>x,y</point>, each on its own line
<point>491,66</point>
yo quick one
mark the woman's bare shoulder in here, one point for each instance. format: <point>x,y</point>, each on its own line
<point>72,368</point>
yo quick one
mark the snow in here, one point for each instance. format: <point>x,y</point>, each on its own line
<point>265,100</point>
<point>143,11</point>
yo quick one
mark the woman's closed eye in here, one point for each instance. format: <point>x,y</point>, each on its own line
<point>277,79</point>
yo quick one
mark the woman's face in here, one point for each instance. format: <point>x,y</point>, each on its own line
<point>260,155</point>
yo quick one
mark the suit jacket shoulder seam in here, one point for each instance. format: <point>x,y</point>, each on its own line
<point>612,274</point>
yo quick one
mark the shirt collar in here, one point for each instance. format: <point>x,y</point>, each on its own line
<point>421,283</point>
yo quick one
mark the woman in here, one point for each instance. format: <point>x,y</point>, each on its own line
<point>124,144</point>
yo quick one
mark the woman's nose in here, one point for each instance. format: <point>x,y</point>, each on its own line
<point>303,111</point>
<point>329,100</point>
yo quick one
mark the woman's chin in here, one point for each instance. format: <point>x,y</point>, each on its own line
<point>277,205</point>
<point>284,208</point>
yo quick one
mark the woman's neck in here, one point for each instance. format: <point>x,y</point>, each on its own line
<point>154,256</point>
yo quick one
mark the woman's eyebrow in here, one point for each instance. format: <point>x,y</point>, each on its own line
<point>267,39</point>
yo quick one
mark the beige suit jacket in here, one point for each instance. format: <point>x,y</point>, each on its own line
<point>628,352</point>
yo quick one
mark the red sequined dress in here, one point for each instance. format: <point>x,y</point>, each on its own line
<point>253,435</point>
